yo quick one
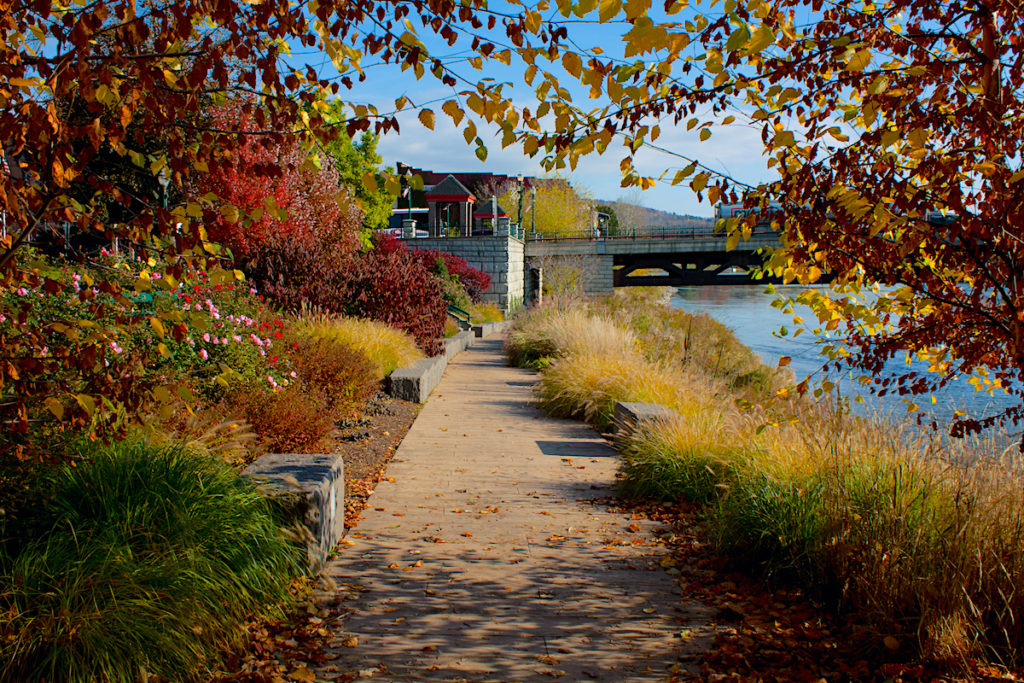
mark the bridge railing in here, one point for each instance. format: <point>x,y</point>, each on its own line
<point>694,233</point>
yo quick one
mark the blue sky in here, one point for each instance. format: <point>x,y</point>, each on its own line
<point>735,149</point>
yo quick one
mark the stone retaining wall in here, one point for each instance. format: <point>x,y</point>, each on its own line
<point>311,489</point>
<point>500,256</point>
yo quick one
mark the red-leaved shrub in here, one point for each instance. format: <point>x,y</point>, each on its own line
<point>386,283</point>
<point>315,221</point>
<point>389,285</point>
<point>474,281</point>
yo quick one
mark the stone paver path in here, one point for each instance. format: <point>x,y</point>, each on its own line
<point>489,558</point>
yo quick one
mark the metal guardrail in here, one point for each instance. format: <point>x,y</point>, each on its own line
<point>694,234</point>
<point>460,314</point>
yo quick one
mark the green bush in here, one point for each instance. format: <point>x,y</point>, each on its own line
<point>149,561</point>
<point>665,475</point>
<point>777,524</point>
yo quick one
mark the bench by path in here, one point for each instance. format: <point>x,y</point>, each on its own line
<point>489,557</point>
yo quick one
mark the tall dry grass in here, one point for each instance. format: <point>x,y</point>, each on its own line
<point>386,347</point>
<point>566,330</point>
<point>918,541</point>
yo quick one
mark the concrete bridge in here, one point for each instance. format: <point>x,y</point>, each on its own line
<point>685,258</point>
<point>518,266</point>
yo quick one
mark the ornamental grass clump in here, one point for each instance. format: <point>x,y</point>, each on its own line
<point>564,331</point>
<point>386,347</point>
<point>144,561</point>
<point>588,386</point>
<point>679,457</point>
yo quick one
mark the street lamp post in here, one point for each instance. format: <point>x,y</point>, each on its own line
<point>519,218</point>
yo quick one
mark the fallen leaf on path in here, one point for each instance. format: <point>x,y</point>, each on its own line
<point>351,641</point>
<point>303,674</point>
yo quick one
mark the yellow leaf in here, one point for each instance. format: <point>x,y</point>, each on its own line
<point>55,407</point>
<point>370,182</point>
<point>762,38</point>
<point>303,674</point>
<point>453,110</point>
<point>608,10</point>
<point>737,38</point>
<point>158,326</point>
<point>427,118</point>
<point>699,182</point>
<point>571,62</point>
<point>88,403</point>
<point>859,61</point>
<point>229,212</point>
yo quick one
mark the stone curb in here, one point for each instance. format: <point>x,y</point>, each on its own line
<point>629,417</point>
<point>415,382</point>
<point>487,329</point>
<point>310,489</point>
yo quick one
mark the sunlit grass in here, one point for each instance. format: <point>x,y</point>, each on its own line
<point>556,331</point>
<point>485,312</point>
<point>386,347</point>
<point>920,541</point>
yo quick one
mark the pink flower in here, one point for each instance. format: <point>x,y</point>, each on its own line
<point>203,354</point>
<point>206,336</point>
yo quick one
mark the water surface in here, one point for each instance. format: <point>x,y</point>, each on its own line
<point>747,310</point>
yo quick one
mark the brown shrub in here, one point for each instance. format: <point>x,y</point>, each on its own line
<point>292,420</point>
<point>345,376</point>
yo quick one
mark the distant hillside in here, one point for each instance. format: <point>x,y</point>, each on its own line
<point>631,216</point>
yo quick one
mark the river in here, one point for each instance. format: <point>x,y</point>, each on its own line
<point>747,310</point>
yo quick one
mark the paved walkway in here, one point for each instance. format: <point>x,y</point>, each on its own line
<point>489,558</point>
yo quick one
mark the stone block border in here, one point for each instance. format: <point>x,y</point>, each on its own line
<point>487,329</point>
<point>631,416</point>
<point>310,488</point>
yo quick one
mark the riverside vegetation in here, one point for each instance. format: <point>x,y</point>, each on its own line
<point>916,540</point>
